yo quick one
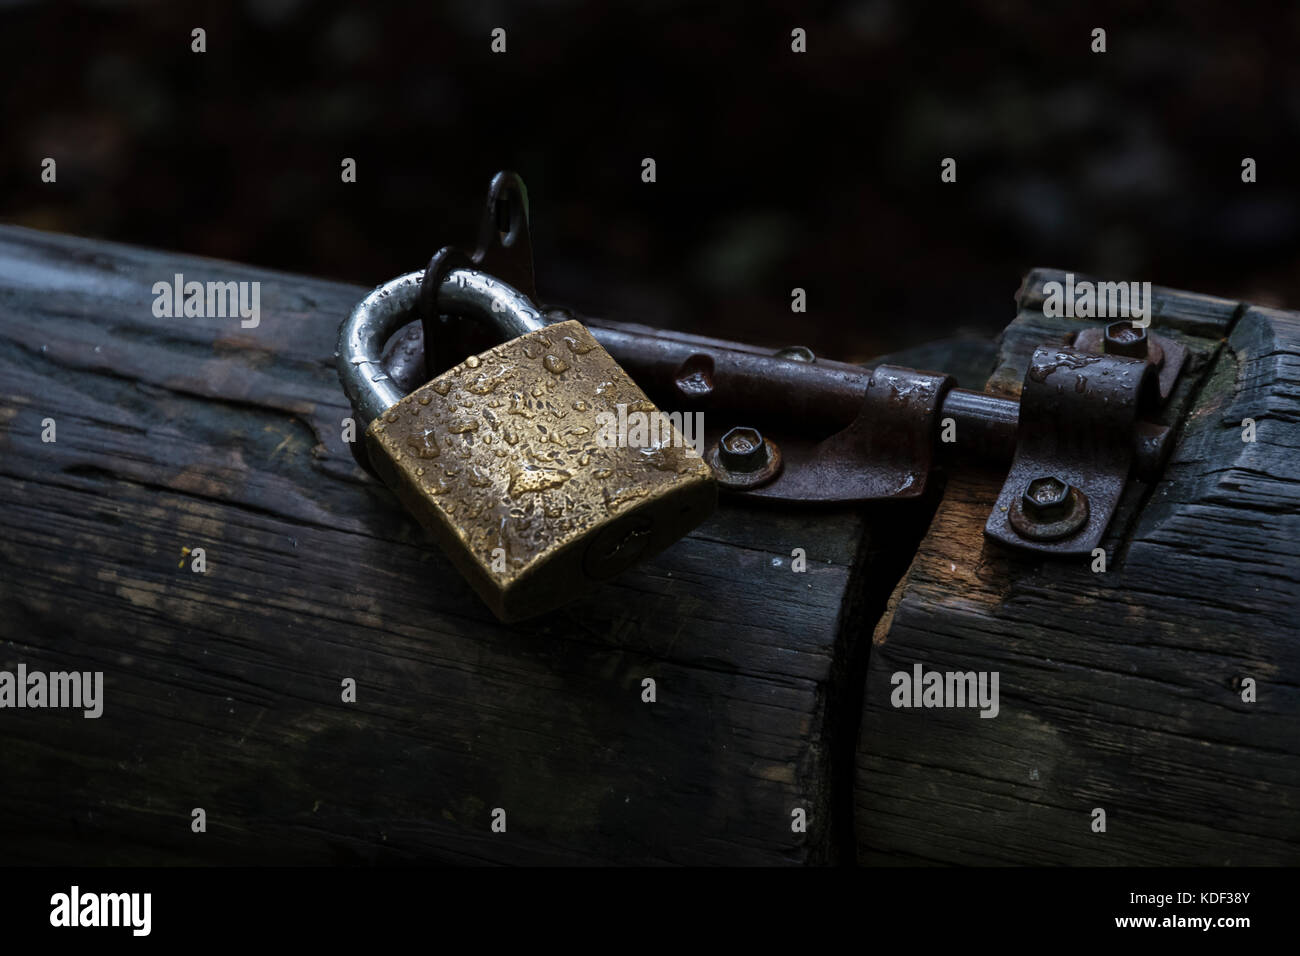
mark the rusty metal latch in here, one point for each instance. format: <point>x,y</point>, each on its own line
<point>1077,441</point>
<point>890,442</point>
<point>1082,425</point>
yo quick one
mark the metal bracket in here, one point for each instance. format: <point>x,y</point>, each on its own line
<point>887,451</point>
<point>1077,440</point>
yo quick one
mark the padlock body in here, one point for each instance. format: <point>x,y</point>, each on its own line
<point>507,460</point>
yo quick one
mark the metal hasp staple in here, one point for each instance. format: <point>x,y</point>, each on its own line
<point>1076,442</point>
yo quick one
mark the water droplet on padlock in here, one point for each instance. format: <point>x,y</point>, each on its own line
<point>577,347</point>
<point>483,385</point>
<point>425,445</point>
<point>529,479</point>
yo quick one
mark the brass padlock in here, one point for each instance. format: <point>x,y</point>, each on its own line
<point>502,457</point>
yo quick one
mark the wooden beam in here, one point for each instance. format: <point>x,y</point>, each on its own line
<point>1121,690</point>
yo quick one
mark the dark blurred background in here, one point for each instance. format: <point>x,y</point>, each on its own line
<point>775,169</point>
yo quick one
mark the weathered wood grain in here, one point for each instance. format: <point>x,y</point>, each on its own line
<point>1118,690</point>
<point>223,688</point>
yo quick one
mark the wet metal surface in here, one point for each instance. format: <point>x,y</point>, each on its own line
<point>1162,352</point>
<point>501,459</point>
<point>1078,413</point>
<point>506,458</point>
<point>886,452</point>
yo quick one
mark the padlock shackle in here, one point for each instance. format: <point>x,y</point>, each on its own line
<point>378,317</point>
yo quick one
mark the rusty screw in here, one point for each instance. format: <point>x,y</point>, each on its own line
<point>1124,338</point>
<point>1049,508</point>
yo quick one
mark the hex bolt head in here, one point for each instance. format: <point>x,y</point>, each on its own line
<point>1046,497</point>
<point>742,450</point>
<point>1049,508</point>
<point>1124,338</point>
<point>743,459</point>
